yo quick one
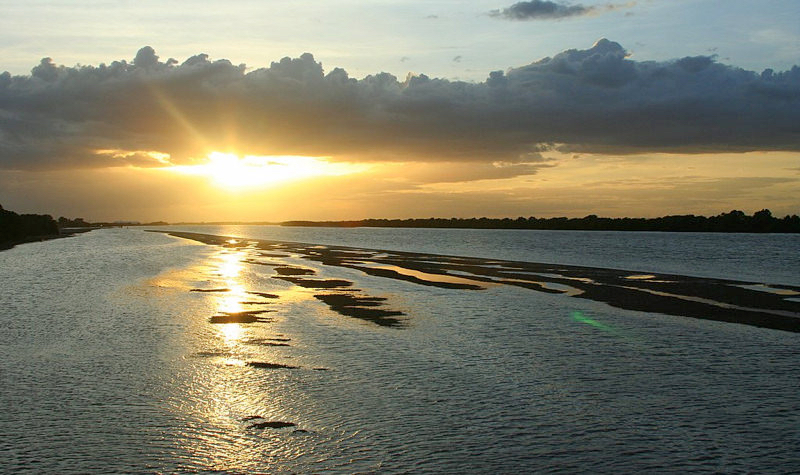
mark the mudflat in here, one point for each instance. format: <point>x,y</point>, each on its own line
<point>744,302</point>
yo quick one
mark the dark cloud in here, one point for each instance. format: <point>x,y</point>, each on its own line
<point>593,100</point>
<point>547,10</point>
<point>459,172</point>
<point>541,10</point>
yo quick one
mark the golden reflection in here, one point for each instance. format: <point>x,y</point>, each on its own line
<point>174,279</point>
<point>229,269</point>
<point>232,332</point>
<point>231,264</point>
<point>233,361</point>
<point>222,392</point>
<point>231,301</point>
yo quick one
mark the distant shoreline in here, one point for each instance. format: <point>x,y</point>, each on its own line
<point>733,222</point>
<point>761,222</point>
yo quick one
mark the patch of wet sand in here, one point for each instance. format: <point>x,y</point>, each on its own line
<point>266,365</point>
<point>362,308</point>
<point>263,294</point>
<point>265,342</point>
<point>271,425</point>
<point>241,317</point>
<point>315,283</point>
<point>285,270</point>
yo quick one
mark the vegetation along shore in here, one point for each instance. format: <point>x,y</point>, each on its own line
<point>733,222</point>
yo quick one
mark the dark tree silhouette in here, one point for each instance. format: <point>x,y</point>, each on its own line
<point>17,228</point>
<point>72,223</point>
<point>733,222</point>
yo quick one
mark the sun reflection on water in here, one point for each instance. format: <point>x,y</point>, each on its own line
<point>232,332</point>
<point>229,268</point>
<point>222,392</point>
<point>231,265</point>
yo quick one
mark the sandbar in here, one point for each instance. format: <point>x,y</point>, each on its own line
<point>722,300</point>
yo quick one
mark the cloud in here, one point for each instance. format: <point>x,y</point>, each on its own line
<point>547,10</point>
<point>540,9</point>
<point>418,174</point>
<point>596,100</point>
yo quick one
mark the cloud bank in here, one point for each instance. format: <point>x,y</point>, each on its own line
<point>592,100</point>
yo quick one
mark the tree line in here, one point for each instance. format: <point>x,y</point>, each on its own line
<point>17,228</point>
<point>733,222</point>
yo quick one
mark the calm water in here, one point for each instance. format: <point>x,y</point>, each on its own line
<point>109,363</point>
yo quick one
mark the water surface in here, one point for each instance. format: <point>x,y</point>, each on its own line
<point>109,362</point>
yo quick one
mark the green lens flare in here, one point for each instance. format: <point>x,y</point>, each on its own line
<point>579,317</point>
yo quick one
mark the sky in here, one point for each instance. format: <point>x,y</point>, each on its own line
<point>251,110</point>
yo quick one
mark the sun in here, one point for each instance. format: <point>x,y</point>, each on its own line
<point>230,171</point>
